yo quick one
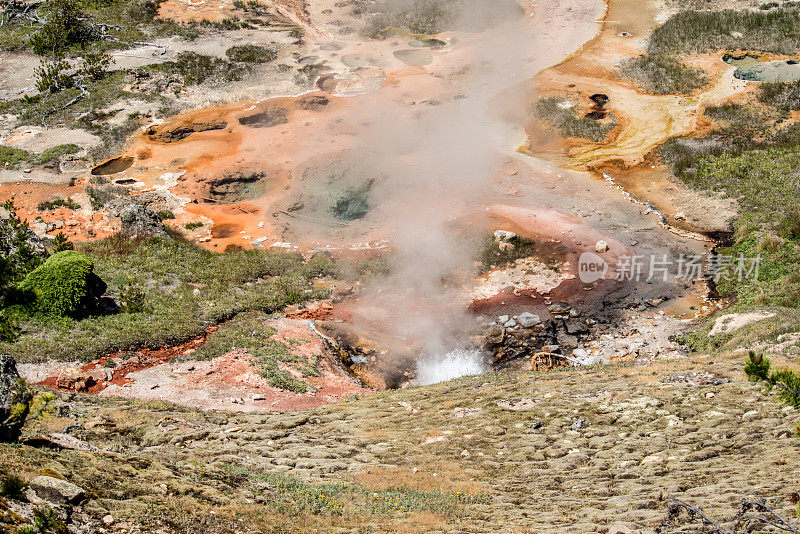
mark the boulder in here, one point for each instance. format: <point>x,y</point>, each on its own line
<point>528,320</point>
<point>495,335</point>
<point>601,247</point>
<point>57,491</point>
<point>75,379</point>
<point>140,221</point>
<point>60,442</point>
<point>581,358</point>
<point>504,236</point>
<point>14,400</point>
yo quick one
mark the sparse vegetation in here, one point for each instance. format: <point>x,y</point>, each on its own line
<point>56,203</point>
<point>251,54</point>
<point>193,225</point>
<point>694,32</point>
<point>196,68</point>
<point>12,487</point>
<point>11,158</point>
<point>165,215</point>
<point>492,255</point>
<point>663,75</point>
<point>562,115</point>
<point>784,96</point>
<point>101,195</point>
<point>229,284</point>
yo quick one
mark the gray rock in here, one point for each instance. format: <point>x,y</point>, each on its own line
<point>510,323</point>
<point>14,400</point>
<point>581,358</point>
<point>504,236</point>
<point>502,319</point>
<point>60,441</point>
<point>559,308</point>
<point>138,220</point>
<point>56,490</point>
<point>528,320</point>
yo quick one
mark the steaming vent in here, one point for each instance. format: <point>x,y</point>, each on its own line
<point>454,364</point>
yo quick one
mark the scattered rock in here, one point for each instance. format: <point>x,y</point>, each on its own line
<point>138,220</point>
<point>56,490</point>
<point>601,247</point>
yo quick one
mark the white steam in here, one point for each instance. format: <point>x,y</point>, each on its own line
<point>454,364</point>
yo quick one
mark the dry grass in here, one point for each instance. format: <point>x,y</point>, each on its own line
<point>450,477</point>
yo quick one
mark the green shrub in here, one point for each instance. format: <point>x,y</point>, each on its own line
<point>65,27</point>
<point>12,487</point>
<point>251,54</point>
<point>165,215</point>
<point>100,196</point>
<point>491,255</point>
<point>46,521</point>
<point>662,75</point>
<point>786,381</point>
<point>94,65</point>
<point>132,298</point>
<point>52,76</point>
<point>790,225</point>
<point>193,225</point>
<point>143,10</point>
<point>281,379</point>
<point>61,284</point>
<point>53,154</point>
<point>61,243</point>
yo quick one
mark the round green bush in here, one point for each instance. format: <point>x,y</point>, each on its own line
<point>62,284</point>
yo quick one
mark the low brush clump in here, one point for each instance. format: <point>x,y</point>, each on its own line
<point>196,69</point>
<point>57,203</point>
<point>661,75</point>
<point>562,115</point>
<point>696,32</point>
<point>784,96</point>
<point>251,54</point>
